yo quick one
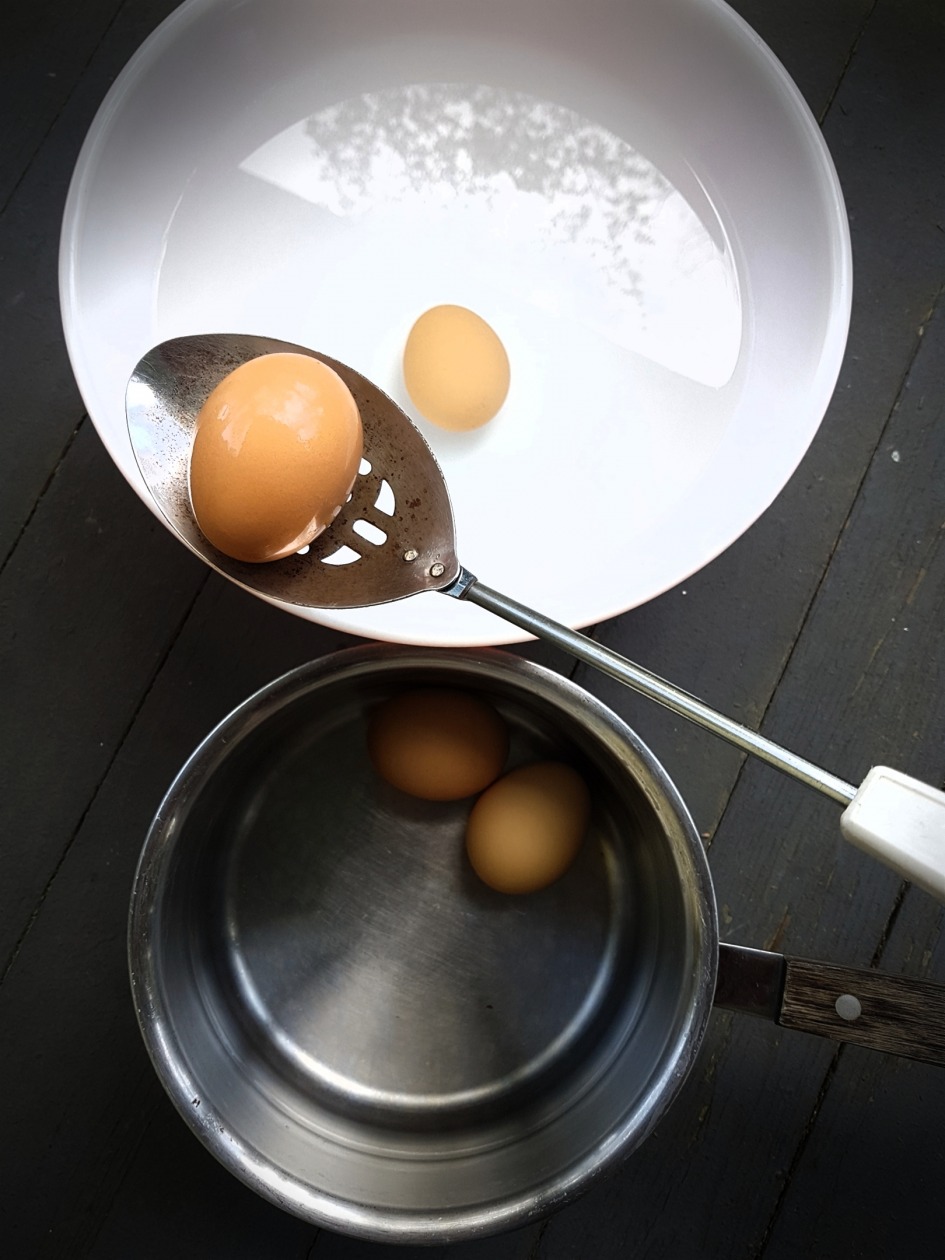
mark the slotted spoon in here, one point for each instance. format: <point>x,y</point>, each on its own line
<point>395,537</point>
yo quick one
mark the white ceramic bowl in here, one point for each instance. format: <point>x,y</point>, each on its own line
<point>635,196</point>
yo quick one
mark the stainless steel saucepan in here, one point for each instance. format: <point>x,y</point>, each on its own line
<point>377,1042</point>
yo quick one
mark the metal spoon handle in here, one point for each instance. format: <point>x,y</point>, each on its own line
<point>470,588</point>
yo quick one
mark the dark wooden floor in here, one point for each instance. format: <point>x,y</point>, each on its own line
<point>823,626</point>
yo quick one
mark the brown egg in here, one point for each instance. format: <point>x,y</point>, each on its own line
<point>526,830</point>
<point>455,368</point>
<point>277,448</point>
<point>437,743</point>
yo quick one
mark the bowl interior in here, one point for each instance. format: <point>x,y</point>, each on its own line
<point>359,1027</point>
<point>634,195</point>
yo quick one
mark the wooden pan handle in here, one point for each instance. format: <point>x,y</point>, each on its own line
<point>868,1008</point>
<point>882,1012</point>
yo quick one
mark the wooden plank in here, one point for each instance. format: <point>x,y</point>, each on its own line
<point>812,40</point>
<point>41,405</point>
<point>178,1201</point>
<point>879,1113</point>
<point>517,1245</point>
<point>67,1029</point>
<point>858,685</point>
<point>89,604</point>
<point>44,48</point>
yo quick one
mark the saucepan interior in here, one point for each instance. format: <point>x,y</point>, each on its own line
<point>360,1029</point>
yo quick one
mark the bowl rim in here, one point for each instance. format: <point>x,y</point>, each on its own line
<point>609,601</point>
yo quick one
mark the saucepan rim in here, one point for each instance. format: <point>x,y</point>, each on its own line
<point>236,1153</point>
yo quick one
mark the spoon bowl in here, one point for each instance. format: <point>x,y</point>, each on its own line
<point>393,538</point>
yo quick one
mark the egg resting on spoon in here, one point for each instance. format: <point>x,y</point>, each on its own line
<point>276,450</point>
